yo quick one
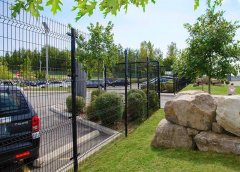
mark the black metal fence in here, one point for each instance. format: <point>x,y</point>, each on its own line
<point>37,75</point>
<point>46,123</point>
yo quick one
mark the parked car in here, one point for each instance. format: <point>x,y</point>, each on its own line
<point>54,84</point>
<point>30,83</point>
<point>94,83</point>
<point>40,83</point>
<point>19,127</point>
<point>68,83</point>
<point>162,79</point>
<point>6,83</point>
<point>119,82</point>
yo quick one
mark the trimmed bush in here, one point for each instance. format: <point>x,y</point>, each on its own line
<point>169,87</point>
<point>153,101</point>
<point>109,108</point>
<point>80,104</point>
<point>141,92</point>
<point>152,86</point>
<point>91,112</point>
<point>96,93</point>
<point>136,106</point>
<point>163,87</point>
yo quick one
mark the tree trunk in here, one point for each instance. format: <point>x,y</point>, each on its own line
<point>209,85</point>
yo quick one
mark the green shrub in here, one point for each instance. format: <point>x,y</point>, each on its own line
<point>136,106</point>
<point>141,92</point>
<point>80,104</point>
<point>91,112</point>
<point>153,101</point>
<point>109,108</point>
<point>227,82</point>
<point>169,87</point>
<point>152,86</point>
<point>163,87</point>
<point>96,93</point>
<point>40,75</point>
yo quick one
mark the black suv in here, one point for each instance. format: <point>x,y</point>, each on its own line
<point>19,127</point>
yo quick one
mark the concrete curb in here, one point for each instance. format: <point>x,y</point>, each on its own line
<point>61,150</point>
<point>89,152</point>
<point>113,135</point>
<point>55,109</point>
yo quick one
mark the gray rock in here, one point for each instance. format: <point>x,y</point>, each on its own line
<point>221,143</point>
<point>193,110</point>
<point>217,128</point>
<point>228,113</point>
<point>192,132</point>
<point>170,135</point>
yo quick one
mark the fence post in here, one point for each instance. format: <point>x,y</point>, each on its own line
<point>147,86</point>
<point>130,75</point>
<point>159,93</point>
<point>174,84</point>
<point>126,85</point>
<point>74,121</point>
<point>138,77</point>
<point>105,77</point>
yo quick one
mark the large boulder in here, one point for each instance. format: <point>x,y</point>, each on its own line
<point>170,135</point>
<point>195,110</point>
<point>221,143</point>
<point>228,113</point>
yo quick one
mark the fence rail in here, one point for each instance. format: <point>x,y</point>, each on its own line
<point>44,124</point>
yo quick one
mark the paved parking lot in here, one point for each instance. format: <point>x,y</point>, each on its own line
<point>56,129</point>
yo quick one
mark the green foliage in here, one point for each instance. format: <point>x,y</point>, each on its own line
<point>109,107</point>
<point>212,50</point>
<point>136,106</point>
<point>172,53</point>
<point>151,86</point>
<point>4,72</point>
<point>80,104</point>
<point>92,115</point>
<point>55,5</point>
<point>153,101</point>
<point>40,75</point>
<point>26,68</point>
<point>98,50</point>
<point>29,60</point>
<point>96,93</point>
<point>86,7</point>
<point>91,112</point>
<point>141,92</point>
<point>167,87</point>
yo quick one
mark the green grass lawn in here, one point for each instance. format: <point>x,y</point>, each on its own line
<point>135,154</point>
<point>216,90</point>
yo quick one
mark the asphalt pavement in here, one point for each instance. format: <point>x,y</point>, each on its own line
<point>56,129</point>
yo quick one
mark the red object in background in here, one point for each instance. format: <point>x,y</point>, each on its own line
<point>18,74</point>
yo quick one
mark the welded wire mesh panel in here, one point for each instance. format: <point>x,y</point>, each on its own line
<point>35,60</point>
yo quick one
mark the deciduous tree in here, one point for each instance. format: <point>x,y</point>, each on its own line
<point>212,50</point>
<point>86,7</point>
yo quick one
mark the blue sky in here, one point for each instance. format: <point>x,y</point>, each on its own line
<point>161,23</point>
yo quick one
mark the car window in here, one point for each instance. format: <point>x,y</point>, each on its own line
<point>12,101</point>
